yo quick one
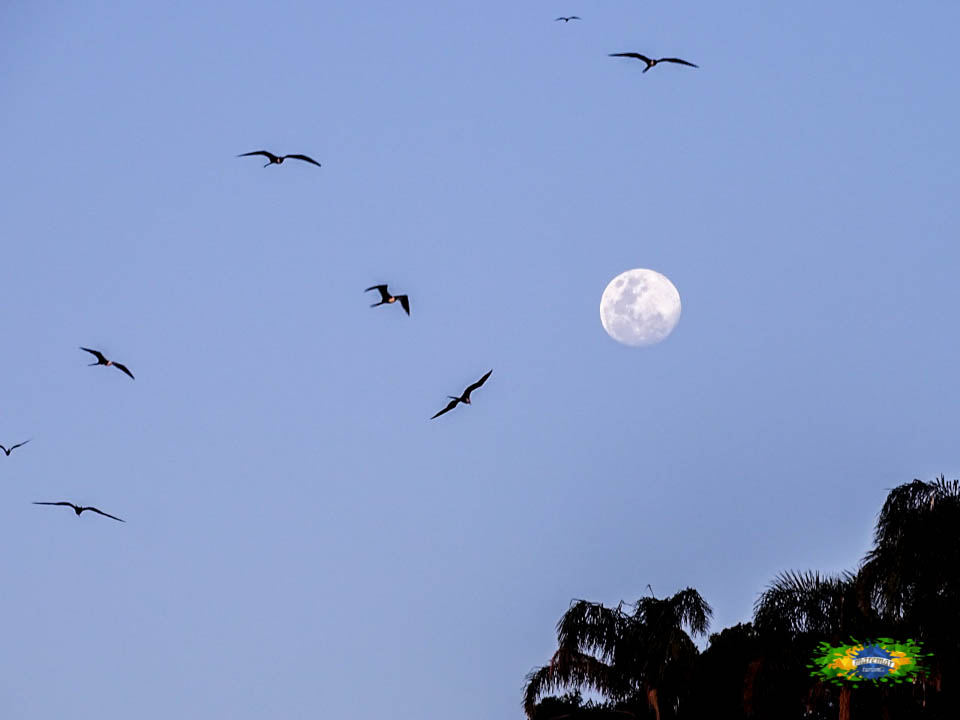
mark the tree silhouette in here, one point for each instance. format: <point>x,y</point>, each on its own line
<point>633,659</point>
<point>795,613</point>
<point>640,659</point>
<point>912,575</point>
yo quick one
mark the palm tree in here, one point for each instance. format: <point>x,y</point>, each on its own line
<point>808,602</point>
<point>795,613</point>
<point>912,574</point>
<point>628,657</point>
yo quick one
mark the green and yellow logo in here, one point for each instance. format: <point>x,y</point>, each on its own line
<point>881,660</point>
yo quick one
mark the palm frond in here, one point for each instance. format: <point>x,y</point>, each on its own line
<point>692,611</point>
<point>799,602</point>
<point>590,628</point>
<point>685,608</point>
<point>910,502</point>
<point>566,670</point>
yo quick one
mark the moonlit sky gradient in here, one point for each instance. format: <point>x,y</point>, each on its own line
<point>301,541</point>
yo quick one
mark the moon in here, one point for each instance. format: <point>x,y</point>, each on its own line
<point>640,307</point>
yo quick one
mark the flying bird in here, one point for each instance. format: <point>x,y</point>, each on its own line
<point>386,297</point>
<point>79,509</point>
<point>651,62</point>
<point>465,398</point>
<point>101,360</point>
<point>13,447</point>
<point>567,19</point>
<point>278,159</point>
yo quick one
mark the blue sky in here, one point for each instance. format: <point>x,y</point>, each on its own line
<point>301,540</point>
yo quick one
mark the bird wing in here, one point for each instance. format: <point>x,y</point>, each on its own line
<point>101,512</point>
<point>303,157</point>
<point>97,353</point>
<point>478,383</point>
<point>65,504</point>
<point>5,450</point>
<point>404,303</point>
<point>384,295</point>
<point>638,56</point>
<point>678,61</point>
<point>123,368</point>
<point>16,446</point>
<point>574,17</point>
<point>448,408</point>
<point>260,152</point>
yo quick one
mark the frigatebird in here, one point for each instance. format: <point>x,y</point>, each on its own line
<point>465,398</point>
<point>13,447</point>
<point>278,159</point>
<point>101,360</point>
<point>386,297</point>
<point>650,61</point>
<point>80,508</point>
<point>567,19</point>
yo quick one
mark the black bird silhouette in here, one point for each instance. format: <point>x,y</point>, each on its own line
<point>80,508</point>
<point>101,360</point>
<point>13,447</point>
<point>567,19</point>
<point>651,62</point>
<point>386,297</point>
<point>465,398</point>
<point>278,159</point>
